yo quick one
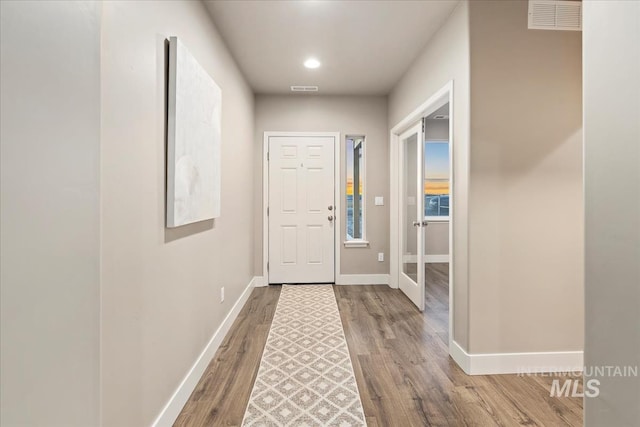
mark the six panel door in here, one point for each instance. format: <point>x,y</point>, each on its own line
<point>301,209</point>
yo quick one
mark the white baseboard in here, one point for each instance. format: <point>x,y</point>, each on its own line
<point>342,279</point>
<point>175,404</point>
<point>516,363</point>
<point>436,258</point>
<point>362,279</point>
<point>460,356</point>
<point>259,281</point>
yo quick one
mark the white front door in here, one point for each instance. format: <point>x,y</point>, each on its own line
<point>301,209</point>
<point>411,262</point>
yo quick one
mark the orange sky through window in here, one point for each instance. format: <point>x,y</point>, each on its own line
<point>350,187</point>
<point>431,187</point>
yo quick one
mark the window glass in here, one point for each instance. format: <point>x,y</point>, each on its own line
<point>355,187</point>
<point>436,178</point>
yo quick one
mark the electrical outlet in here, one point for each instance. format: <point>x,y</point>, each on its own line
<point>222,294</point>
<point>381,256</point>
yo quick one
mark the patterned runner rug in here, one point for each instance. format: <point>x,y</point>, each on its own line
<point>305,376</point>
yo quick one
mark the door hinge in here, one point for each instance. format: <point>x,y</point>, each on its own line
<point>267,267</point>
<point>423,124</point>
<point>267,156</point>
<point>267,210</point>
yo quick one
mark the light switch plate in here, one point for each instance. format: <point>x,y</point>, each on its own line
<point>379,201</point>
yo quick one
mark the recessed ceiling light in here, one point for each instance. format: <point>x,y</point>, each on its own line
<point>312,63</point>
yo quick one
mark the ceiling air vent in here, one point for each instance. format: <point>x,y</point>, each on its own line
<point>304,88</point>
<point>555,15</point>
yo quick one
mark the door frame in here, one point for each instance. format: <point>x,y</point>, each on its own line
<point>336,196</point>
<point>440,97</point>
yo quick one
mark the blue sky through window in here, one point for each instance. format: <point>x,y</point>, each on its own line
<point>436,160</point>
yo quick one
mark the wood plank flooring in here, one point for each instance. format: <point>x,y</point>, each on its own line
<point>222,394</point>
<point>401,362</point>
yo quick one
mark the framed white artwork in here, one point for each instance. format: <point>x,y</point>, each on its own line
<point>193,140</point>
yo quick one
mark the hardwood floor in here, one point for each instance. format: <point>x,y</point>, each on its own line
<point>406,377</point>
<point>222,394</point>
<point>401,362</point>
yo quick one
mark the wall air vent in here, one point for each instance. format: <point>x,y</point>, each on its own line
<point>304,88</point>
<point>555,15</point>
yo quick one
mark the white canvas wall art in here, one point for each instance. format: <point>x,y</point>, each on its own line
<point>194,139</point>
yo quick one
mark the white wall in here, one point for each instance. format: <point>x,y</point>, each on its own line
<point>611,66</point>
<point>161,288</point>
<point>446,58</point>
<point>349,115</point>
<point>525,203</point>
<point>50,147</point>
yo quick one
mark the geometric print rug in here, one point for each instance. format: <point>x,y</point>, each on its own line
<point>305,376</point>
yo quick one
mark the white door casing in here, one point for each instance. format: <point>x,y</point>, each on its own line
<point>435,101</point>
<point>301,209</point>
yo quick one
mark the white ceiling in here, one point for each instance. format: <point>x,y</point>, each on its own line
<point>364,46</point>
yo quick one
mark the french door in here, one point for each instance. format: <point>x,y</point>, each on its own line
<point>412,223</point>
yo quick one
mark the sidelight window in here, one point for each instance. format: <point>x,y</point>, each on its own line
<point>355,200</point>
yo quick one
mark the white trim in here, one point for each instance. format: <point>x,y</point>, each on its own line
<point>356,243</point>
<point>265,206</point>
<point>362,279</point>
<point>452,200</point>
<point>437,218</point>
<point>431,259</point>
<point>337,207</point>
<point>259,282</point>
<point>429,106</point>
<point>394,210</point>
<point>336,196</point>
<point>516,363</point>
<point>513,363</point>
<point>174,406</point>
<point>460,356</point>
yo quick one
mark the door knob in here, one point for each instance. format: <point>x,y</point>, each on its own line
<point>330,208</point>
<point>417,224</point>
<point>330,218</point>
<point>425,223</point>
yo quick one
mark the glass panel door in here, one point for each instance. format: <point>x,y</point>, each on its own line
<point>411,278</point>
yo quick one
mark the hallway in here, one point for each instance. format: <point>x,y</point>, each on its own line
<point>111,310</point>
<point>401,362</point>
